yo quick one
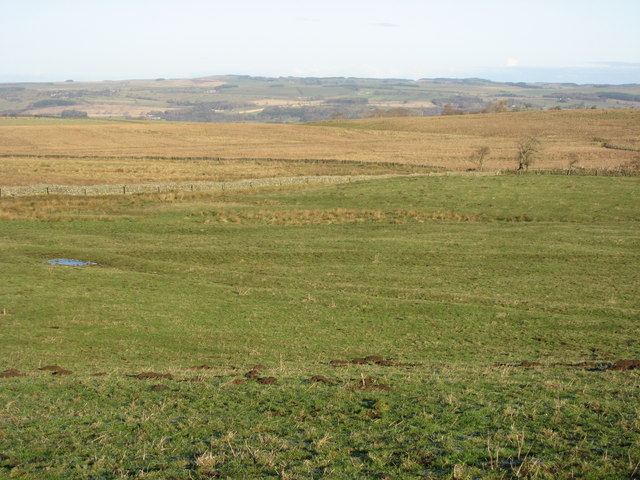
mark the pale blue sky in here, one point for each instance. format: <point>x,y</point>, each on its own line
<point>581,41</point>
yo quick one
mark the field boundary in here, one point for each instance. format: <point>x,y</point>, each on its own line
<point>136,188</point>
<point>329,161</point>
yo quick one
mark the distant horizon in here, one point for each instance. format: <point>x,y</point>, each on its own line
<point>10,79</point>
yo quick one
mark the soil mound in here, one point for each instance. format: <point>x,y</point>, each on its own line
<point>530,364</point>
<point>625,365</point>
<point>321,379</point>
<point>12,372</point>
<point>159,388</point>
<point>267,380</point>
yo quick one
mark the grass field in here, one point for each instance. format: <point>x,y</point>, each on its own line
<point>449,142</point>
<point>497,306</point>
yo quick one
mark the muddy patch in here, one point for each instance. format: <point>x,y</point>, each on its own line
<point>623,365</point>
<point>527,364</point>
<point>159,388</point>
<point>12,372</point>
<point>266,380</point>
<point>321,379</point>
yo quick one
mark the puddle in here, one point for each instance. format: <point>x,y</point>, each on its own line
<point>69,262</point>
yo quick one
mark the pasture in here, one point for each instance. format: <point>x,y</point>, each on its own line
<point>79,152</point>
<point>417,327</point>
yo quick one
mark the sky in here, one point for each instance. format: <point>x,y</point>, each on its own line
<point>579,41</point>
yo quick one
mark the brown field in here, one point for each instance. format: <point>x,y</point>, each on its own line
<point>446,141</point>
<point>103,110</point>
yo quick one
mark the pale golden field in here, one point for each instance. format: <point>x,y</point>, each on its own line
<point>446,141</point>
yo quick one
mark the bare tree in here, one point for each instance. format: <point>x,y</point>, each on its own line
<point>478,157</point>
<point>528,148</point>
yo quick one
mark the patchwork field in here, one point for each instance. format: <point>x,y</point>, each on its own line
<point>423,327</point>
<point>81,152</point>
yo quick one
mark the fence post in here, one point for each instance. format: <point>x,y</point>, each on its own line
<point>124,189</point>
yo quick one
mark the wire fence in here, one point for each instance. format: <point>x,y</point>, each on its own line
<point>137,188</point>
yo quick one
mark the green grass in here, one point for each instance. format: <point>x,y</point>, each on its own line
<point>459,279</point>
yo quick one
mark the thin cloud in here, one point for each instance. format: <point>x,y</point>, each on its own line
<point>385,25</point>
<point>306,19</point>
<point>616,64</point>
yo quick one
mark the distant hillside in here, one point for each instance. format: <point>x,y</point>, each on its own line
<point>239,98</point>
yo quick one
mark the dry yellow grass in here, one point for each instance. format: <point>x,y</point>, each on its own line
<point>22,171</point>
<point>440,141</point>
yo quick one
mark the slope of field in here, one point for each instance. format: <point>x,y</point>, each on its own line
<point>425,327</point>
<point>446,142</point>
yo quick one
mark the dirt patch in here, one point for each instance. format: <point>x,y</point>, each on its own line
<point>259,367</point>
<point>388,363</point>
<point>238,381</point>
<point>370,383</point>
<point>252,373</point>
<point>12,372</point>
<point>267,380</point>
<point>321,379</point>
<point>625,365</point>
<point>62,371</point>
<point>159,388</point>
<point>153,375</point>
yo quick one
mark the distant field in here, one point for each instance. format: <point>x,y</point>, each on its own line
<point>447,142</point>
<point>234,98</point>
<point>425,327</point>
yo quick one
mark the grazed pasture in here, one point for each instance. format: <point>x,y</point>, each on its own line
<point>427,327</point>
